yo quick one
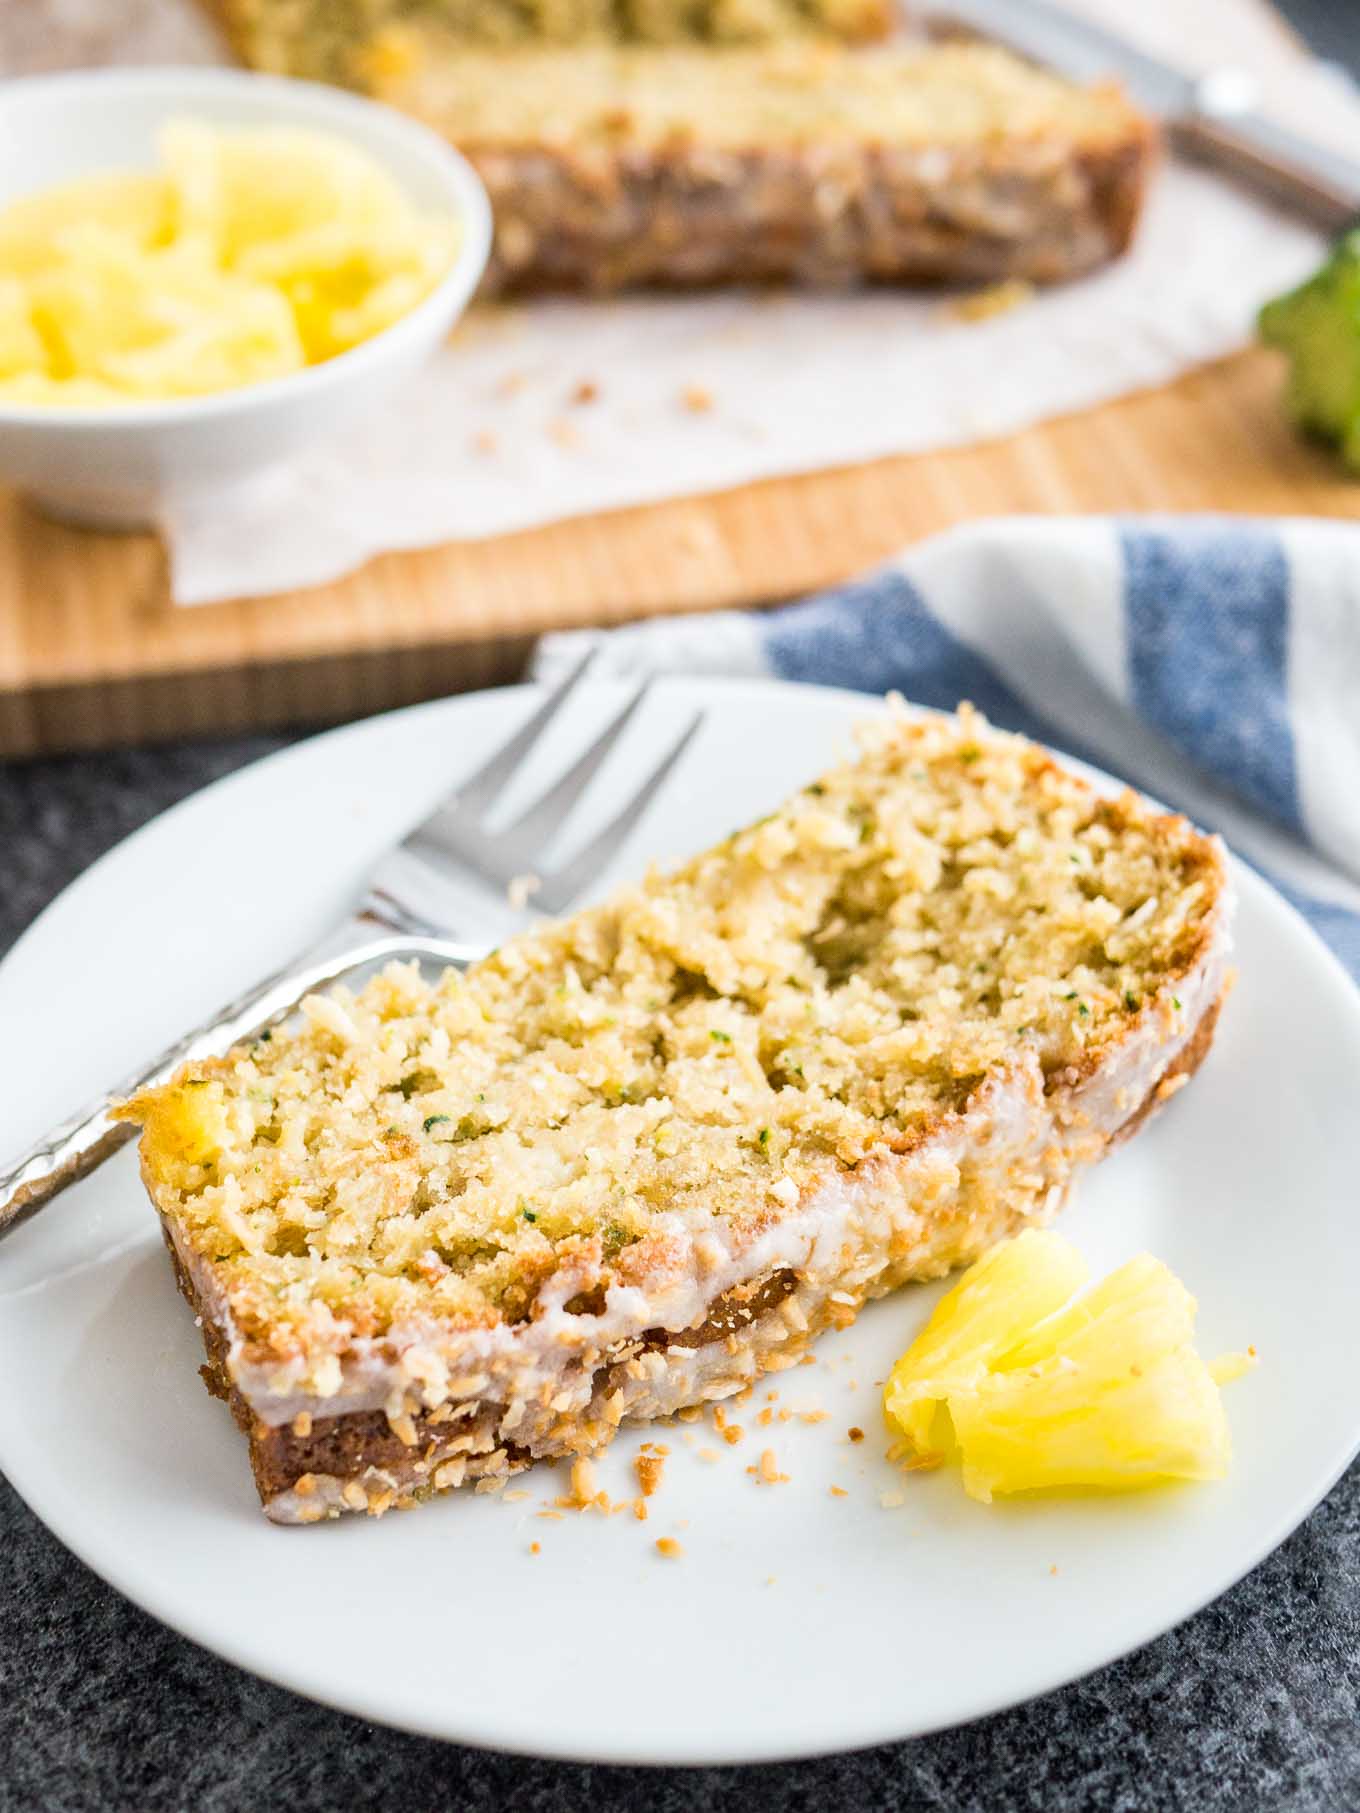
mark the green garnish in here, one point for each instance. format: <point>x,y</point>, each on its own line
<point>1318,327</point>
<point>1083,1009</point>
<point>1130,1000</point>
<point>722,1038</point>
<point>1176,1003</point>
<point>764,1136</point>
<point>434,1120</point>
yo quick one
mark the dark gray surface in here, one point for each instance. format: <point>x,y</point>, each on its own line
<point>1331,27</point>
<point>1252,1705</point>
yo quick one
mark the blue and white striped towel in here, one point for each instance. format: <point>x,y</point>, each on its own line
<point>1214,662</point>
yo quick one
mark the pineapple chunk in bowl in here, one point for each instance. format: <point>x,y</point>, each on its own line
<point>1039,1388</point>
<point>289,362</point>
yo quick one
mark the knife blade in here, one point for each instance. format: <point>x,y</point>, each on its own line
<point>1076,46</point>
<point>1212,117</point>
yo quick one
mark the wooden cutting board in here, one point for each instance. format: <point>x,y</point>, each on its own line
<point>92,652</point>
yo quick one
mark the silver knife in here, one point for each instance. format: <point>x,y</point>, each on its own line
<point>1213,117</point>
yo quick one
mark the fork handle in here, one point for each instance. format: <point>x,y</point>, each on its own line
<point>81,1143</point>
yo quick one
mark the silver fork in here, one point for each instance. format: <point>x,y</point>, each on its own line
<point>444,869</point>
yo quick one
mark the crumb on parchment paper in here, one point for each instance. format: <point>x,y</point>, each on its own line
<point>996,299</point>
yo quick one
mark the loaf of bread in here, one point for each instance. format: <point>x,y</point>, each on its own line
<point>634,1160</point>
<point>804,163</point>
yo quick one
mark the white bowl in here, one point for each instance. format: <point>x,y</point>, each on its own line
<point>117,467</point>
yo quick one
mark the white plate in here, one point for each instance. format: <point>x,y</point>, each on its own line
<point>795,1622</point>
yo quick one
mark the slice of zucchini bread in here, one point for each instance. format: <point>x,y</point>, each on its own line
<point>635,1159</point>
<point>356,42</point>
<point>808,164</point>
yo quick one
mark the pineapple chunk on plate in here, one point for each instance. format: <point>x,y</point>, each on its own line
<point>1039,1388</point>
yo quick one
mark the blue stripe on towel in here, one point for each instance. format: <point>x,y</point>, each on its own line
<point>1338,928</point>
<point>1207,609</point>
<point>877,635</point>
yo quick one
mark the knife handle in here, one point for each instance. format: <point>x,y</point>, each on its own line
<point>1227,131</point>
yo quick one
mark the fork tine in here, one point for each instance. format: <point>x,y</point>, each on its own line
<point>480,789</point>
<point>560,889</point>
<point>519,843</point>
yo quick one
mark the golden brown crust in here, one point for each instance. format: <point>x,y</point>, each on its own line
<point>666,218</point>
<point>1119,181</point>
